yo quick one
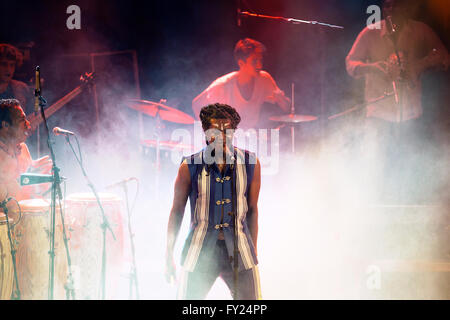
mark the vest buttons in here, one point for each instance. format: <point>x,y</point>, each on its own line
<point>218,202</point>
<point>217,179</point>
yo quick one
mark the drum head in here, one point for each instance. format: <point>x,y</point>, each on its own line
<point>34,205</point>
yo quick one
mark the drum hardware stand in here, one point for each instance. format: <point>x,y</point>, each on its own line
<point>158,148</point>
<point>105,224</point>
<point>56,188</point>
<point>133,272</point>
<point>292,126</point>
<point>16,293</point>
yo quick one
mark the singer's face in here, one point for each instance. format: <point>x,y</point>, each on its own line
<point>7,68</point>
<point>220,128</point>
<point>20,125</point>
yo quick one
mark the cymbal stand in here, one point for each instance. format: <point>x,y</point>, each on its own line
<point>133,272</point>
<point>158,148</point>
<point>292,126</point>
<point>105,223</point>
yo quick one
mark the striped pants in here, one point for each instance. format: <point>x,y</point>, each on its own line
<point>195,285</point>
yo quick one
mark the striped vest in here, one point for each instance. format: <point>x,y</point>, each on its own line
<point>211,198</point>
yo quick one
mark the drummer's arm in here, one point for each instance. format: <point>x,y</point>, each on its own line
<point>277,95</point>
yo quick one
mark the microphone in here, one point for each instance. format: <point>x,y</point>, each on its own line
<point>58,131</point>
<point>120,183</point>
<point>37,90</point>
<point>392,26</point>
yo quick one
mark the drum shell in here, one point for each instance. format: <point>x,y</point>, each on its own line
<point>84,219</point>
<point>6,265</point>
<point>33,244</point>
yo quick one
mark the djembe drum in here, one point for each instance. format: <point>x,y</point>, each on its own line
<point>32,234</point>
<point>85,220</point>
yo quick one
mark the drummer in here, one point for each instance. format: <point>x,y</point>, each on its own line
<point>246,89</point>
<point>14,155</point>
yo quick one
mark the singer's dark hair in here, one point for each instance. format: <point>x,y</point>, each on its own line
<point>6,106</point>
<point>10,52</point>
<point>219,111</point>
<point>245,47</point>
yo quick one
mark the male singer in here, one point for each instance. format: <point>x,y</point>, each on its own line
<point>221,181</point>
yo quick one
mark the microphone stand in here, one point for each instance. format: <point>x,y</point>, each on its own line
<point>290,20</point>
<point>105,224</point>
<point>16,293</point>
<point>56,191</point>
<point>133,272</point>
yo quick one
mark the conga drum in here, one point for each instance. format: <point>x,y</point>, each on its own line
<point>85,220</point>
<point>32,234</point>
<point>6,264</point>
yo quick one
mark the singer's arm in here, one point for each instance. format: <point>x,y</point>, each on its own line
<point>252,214</point>
<point>181,192</point>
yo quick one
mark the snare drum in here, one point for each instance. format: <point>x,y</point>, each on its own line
<point>84,218</point>
<point>33,244</point>
<point>6,265</point>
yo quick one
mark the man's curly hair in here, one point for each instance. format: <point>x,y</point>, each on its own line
<point>10,52</point>
<point>219,111</point>
<point>6,107</point>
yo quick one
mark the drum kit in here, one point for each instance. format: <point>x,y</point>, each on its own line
<point>160,111</point>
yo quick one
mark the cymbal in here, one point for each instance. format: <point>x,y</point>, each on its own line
<point>167,145</point>
<point>293,118</point>
<point>166,113</point>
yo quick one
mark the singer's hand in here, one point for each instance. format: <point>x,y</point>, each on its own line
<point>42,165</point>
<point>170,271</point>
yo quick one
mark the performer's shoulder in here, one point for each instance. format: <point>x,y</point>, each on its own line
<point>195,158</point>
<point>223,80</point>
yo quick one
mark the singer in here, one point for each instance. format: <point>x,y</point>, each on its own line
<point>393,127</point>
<point>217,190</point>
<point>14,155</point>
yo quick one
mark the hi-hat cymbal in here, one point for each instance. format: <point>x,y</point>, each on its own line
<point>166,113</point>
<point>293,118</point>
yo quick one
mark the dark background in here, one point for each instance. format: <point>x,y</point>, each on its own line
<point>182,46</point>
